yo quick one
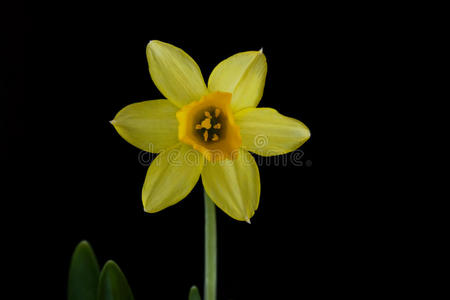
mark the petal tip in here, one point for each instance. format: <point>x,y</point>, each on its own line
<point>113,122</point>
<point>146,207</point>
<point>261,50</point>
<point>153,43</point>
<point>307,134</point>
<point>248,221</point>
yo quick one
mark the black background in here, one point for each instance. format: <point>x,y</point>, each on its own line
<point>70,67</point>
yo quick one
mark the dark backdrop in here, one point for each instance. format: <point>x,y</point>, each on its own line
<point>71,66</point>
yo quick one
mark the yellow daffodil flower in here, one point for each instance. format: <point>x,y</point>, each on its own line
<point>207,130</point>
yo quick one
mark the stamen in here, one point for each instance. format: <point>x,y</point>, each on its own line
<point>206,123</point>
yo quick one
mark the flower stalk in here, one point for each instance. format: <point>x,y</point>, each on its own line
<point>210,250</point>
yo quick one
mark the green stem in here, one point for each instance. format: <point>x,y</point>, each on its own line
<point>210,250</point>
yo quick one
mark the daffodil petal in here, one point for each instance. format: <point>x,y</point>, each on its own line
<point>243,75</point>
<point>170,177</point>
<point>266,132</point>
<point>149,125</point>
<point>233,185</point>
<point>175,73</point>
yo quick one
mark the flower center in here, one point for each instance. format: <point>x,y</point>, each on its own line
<point>208,126</point>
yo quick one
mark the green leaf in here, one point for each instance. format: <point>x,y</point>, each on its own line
<point>83,273</point>
<point>194,294</point>
<point>113,285</point>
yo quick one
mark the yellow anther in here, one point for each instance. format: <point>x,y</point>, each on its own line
<point>217,112</point>
<point>215,137</point>
<point>206,123</point>
<point>205,135</point>
<point>208,115</point>
<point>198,126</point>
<point>217,126</point>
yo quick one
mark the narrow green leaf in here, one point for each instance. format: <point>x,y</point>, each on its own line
<point>83,273</point>
<point>113,285</point>
<point>194,293</point>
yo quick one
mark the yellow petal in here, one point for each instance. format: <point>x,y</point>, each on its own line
<point>150,125</point>
<point>266,132</point>
<point>170,177</point>
<point>175,73</point>
<point>243,75</point>
<point>234,185</point>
